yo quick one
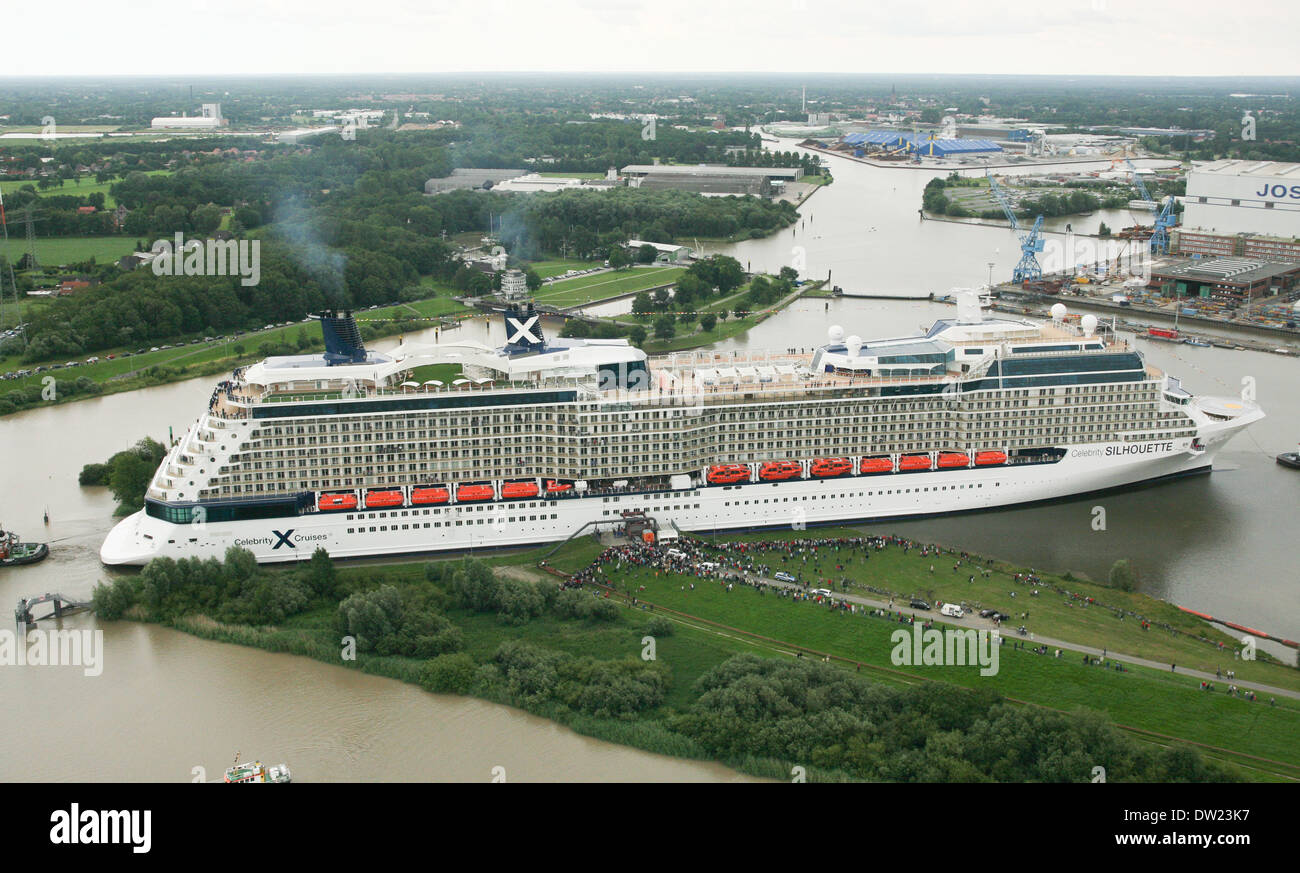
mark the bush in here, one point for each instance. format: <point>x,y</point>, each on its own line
<point>659,627</point>
<point>449,674</point>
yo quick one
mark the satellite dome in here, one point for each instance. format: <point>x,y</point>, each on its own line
<point>854,344</point>
<point>1058,311</point>
<point>1089,324</point>
<point>836,333</point>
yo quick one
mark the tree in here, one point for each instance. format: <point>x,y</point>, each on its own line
<point>321,575</point>
<point>1121,576</point>
<point>641,304</point>
<point>618,258</point>
<point>206,219</point>
<point>637,335</point>
<point>532,280</point>
<point>646,254</point>
<point>708,321</point>
<point>664,327</point>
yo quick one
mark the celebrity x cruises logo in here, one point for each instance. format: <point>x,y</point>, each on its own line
<point>523,330</point>
<point>282,539</point>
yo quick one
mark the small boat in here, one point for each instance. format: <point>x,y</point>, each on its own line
<point>336,502</point>
<point>728,474</point>
<point>825,468</point>
<point>953,460</point>
<point>518,490</point>
<point>876,465</point>
<point>778,471</point>
<point>466,493</point>
<point>553,487</point>
<point>1290,459</point>
<point>910,463</point>
<point>256,771</point>
<point>1199,343</point>
<point>383,499</point>
<point>14,552</point>
<point>989,459</point>
<point>429,495</point>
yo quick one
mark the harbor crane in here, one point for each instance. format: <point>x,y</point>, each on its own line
<point>1163,216</point>
<point>1031,243</point>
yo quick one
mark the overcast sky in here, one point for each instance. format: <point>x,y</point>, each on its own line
<point>183,37</point>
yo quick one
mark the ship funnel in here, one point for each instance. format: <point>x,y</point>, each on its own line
<point>968,307</point>
<point>343,343</point>
<point>524,330</point>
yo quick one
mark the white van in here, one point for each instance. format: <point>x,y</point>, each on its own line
<point>820,592</point>
<point>952,610</point>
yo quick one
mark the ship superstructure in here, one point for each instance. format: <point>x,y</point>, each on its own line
<point>359,453</point>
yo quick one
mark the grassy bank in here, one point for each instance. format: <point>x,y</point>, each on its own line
<point>699,627</point>
<point>187,361</point>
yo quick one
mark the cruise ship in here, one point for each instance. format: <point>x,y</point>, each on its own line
<point>365,454</point>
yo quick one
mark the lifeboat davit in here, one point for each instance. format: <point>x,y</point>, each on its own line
<point>727,474</point>
<point>986,459</point>
<point>914,462</point>
<point>467,493</point>
<point>777,471</point>
<point>953,460</point>
<point>553,487</point>
<point>335,502</point>
<point>381,499</point>
<point>518,490</point>
<point>876,465</point>
<point>824,468</point>
<point>427,496</point>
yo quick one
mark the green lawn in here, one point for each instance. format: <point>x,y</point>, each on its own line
<point>601,286</point>
<point>559,266</point>
<point>204,354</point>
<point>59,250</point>
<point>70,187</point>
<point>1146,699</point>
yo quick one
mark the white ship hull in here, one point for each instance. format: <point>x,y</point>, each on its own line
<point>792,504</point>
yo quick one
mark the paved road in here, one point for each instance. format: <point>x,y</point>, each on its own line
<point>975,621</point>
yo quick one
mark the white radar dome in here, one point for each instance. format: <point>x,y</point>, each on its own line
<point>1089,324</point>
<point>855,345</point>
<point>1058,311</point>
<point>836,333</point>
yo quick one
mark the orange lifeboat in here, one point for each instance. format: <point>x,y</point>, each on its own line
<point>876,465</point>
<point>553,487</point>
<point>382,499</point>
<point>474,492</point>
<point>336,502</point>
<point>987,459</point>
<point>824,468</point>
<point>518,490</point>
<point>728,474</point>
<point>426,496</point>
<point>909,463</point>
<point>953,460</point>
<point>777,471</point>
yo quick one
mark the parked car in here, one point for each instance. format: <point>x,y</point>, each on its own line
<point>917,603</point>
<point>820,592</point>
<point>782,576</point>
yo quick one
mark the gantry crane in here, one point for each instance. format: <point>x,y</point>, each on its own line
<point>1031,243</point>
